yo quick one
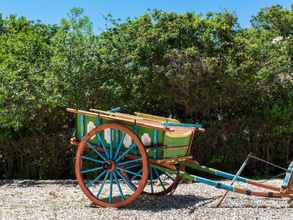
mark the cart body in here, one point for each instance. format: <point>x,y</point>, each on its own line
<point>120,156</point>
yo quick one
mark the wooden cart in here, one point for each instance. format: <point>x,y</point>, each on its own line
<point>120,156</point>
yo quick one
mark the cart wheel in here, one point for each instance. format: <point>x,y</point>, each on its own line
<point>161,182</point>
<point>111,166</point>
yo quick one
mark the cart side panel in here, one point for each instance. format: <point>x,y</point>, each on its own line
<point>176,145</point>
<point>159,144</point>
<point>150,136</point>
<point>170,141</point>
<point>85,123</point>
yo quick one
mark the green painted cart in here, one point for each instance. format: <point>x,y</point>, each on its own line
<point>121,156</point>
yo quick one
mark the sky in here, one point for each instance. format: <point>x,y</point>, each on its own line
<point>52,11</point>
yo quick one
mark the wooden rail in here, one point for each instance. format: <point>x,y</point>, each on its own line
<point>138,121</point>
<point>132,119</point>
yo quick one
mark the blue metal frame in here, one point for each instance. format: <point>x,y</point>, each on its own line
<point>288,176</point>
<point>185,125</point>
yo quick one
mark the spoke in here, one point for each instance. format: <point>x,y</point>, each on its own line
<point>128,171</point>
<point>119,187</point>
<point>91,159</point>
<point>111,188</point>
<point>128,183</point>
<point>172,178</point>
<point>102,186</point>
<point>129,161</point>
<point>135,165</point>
<point>103,144</point>
<point>137,172</point>
<point>162,184</point>
<point>151,177</point>
<point>169,176</point>
<point>90,170</point>
<point>160,180</point>
<point>97,152</point>
<point>125,153</point>
<point>96,179</point>
<point>119,146</point>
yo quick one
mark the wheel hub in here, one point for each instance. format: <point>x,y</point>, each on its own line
<point>109,165</point>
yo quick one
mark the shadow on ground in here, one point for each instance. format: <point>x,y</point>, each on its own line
<point>160,203</point>
<point>167,202</point>
<point>37,183</point>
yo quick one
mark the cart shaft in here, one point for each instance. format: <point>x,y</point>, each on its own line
<point>230,176</point>
<point>224,186</point>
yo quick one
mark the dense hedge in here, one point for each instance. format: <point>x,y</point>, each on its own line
<point>236,81</point>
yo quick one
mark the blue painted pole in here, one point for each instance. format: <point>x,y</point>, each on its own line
<point>155,142</point>
<point>185,125</point>
<point>81,125</point>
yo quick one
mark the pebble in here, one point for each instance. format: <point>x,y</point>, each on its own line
<point>21,199</point>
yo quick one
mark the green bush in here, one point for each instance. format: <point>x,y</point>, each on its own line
<point>236,81</point>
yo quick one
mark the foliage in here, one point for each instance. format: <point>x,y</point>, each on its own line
<point>236,81</point>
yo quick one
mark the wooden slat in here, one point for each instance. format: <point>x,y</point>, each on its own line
<point>140,122</point>
<point>123,115</point>
<point>155,117</point>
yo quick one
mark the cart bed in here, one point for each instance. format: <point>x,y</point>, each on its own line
<point>161,141</point>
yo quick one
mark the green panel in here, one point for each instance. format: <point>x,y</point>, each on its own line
<point>87,121</point>
<point>150,131</point>
<point>176,141</point>
<point>155,153</point>
<point>175,152</point>
<point>84,127</point>
<point>167,152</point>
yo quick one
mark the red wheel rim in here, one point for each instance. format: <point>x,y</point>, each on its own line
<point>109,166</point>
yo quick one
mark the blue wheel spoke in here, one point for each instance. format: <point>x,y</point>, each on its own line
<point>160,179</point>
<point>111,188</point>
<point>172,178</point>
<point>119,146</point>
<point>91,159</point>
<point>102,186</point>
<point>128,171</point>
<point>135,165</point>
<point>97,152</point>
<point>128,183</point>
<point>125,152</point>
<point>151,177</point>
<point>100,139</point>
<point>119,187</point>
<point>91,170</point>
<point>129,161</point>
<point>91,183</point>
<point>138,172</point>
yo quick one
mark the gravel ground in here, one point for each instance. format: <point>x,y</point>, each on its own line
<point>64,200</point>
